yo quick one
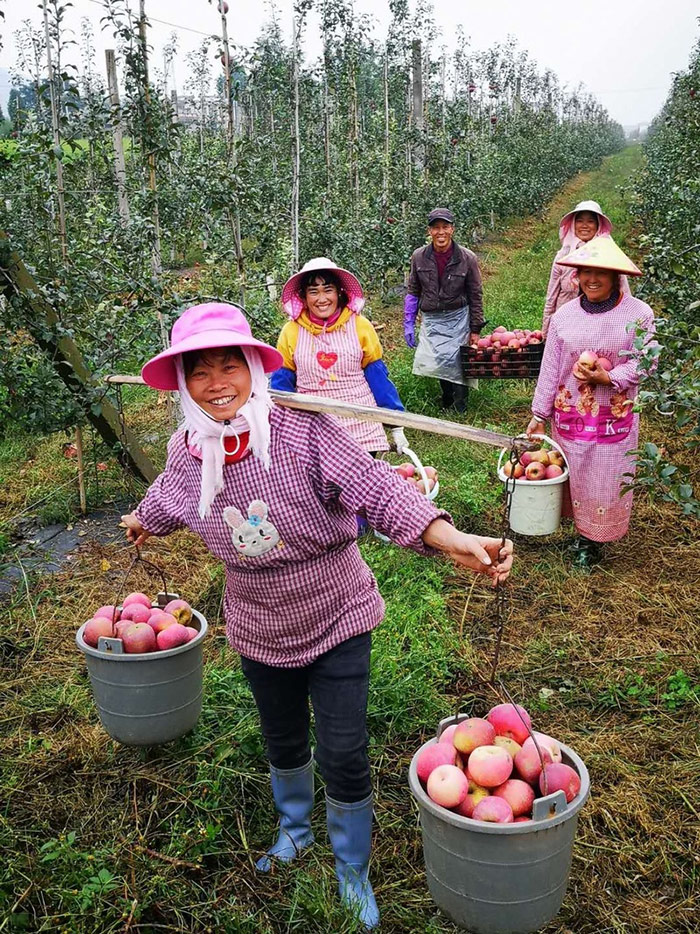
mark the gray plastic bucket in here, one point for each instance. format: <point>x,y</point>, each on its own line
<point>500,878</point>
<point>144,700</point>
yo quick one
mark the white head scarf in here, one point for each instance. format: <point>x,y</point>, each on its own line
<point>208,434</point>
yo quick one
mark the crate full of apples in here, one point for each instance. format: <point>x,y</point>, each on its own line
<point>141,625</point>
<point>503,354</point>
<point>489,768</point>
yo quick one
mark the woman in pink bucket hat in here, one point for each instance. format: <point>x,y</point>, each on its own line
<point>331,349</point>
<point>579,226</point>
<point>274,493</point>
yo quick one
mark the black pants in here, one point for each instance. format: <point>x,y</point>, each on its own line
<point>338,684</point>
<point>452,393</point>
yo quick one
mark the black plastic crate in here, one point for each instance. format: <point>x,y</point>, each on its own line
<point>504,364</point>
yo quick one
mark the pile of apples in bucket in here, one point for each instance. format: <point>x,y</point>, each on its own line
<point>410,472</point>
<point>141,626</point>
<point>502,341</point>
<point>542,464</point>
<point>489,769</point>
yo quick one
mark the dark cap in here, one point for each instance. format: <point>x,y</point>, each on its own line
<point>440,214</point>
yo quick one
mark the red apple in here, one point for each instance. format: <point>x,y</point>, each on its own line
<point>122,626</point>
<point>515,470</point>
<point>587,360</point>
<point>552,471</point>
<point>508,744</point>
<point>159,620</point>
<point>447,786</point>
<point>527,761</point>
<point>139,638</point>
<point>605,364</point>
<point>535,471</point>
<point>448,733</point>
<point>476,793</point>
<point>537,334</point>
<point>534,340</point>
<point>518,794</point>
<point>500,329</point>
<point>526,458</point>
<point>136,597</point>
<point>433,756</point>
<point>180,609</point>
<point>483,342</point>
<point>493,809</point>
<point>561,777</point>
<point>521,820</point>
<point>506,721</point>
<point>191,632</point>
<point>137,613</point>
<point>108,612</point>
<point>172,636</point>
<point>514,344</point>
<point>490,766</point>
<point>96,627</point>
<point>472,733</point>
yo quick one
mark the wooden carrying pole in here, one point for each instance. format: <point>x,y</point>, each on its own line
<point>368,413</point>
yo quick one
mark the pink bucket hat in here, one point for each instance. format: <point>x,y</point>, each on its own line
<point>202,327</point>
<point>293,305</point>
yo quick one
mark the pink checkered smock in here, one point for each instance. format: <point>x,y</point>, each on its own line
<point>595,425</point>
<point>296,584</point>
<point>330,364</point>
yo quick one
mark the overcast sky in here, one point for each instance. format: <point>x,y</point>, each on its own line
<point>624,51</point>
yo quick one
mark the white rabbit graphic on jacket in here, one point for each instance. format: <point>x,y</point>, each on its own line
<point>252,536</point>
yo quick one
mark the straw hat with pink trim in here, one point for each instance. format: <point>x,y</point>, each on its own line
<point>203,327</point>
<point>292,303</point>
<point>601,253</point>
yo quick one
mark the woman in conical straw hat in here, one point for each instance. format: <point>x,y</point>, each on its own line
<point>587,387</point>
<point>579,226</point>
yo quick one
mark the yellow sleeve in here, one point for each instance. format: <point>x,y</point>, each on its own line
<point>287,344</point>
<point>369,341</point>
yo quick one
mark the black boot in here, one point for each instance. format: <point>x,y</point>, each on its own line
<point>448,393</point>
<point>586,554</point>
<point>461,397</point>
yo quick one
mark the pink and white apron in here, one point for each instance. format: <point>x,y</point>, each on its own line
<point>330,364</point>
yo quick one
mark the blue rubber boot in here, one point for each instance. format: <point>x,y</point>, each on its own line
<point>293,792</point>
<point>350,832</point>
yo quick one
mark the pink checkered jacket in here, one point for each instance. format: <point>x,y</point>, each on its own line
<point>296,584</point>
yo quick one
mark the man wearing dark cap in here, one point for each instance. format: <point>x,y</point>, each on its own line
<point>445,286</point>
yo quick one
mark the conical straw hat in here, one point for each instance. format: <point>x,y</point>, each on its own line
<point>601,253</point>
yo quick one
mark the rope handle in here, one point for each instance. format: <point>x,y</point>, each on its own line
<point>137,558</point>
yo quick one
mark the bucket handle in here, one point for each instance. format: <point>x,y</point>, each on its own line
<point>418,464</point>
<point>546,438</point>
<point>549,806</point>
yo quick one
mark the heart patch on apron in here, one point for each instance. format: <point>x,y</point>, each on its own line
<point>326,360</point>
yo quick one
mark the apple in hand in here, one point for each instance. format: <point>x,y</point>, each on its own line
<point>494,810</point>
<point>605,364</point>
<point>472,733</point>
<point>447,786</point>
<point>489,766</point>
<point>506,721</point>
<point>433,756</point>
<point>587,360</point>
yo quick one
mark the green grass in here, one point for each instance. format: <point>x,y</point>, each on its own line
<point>97,838</point>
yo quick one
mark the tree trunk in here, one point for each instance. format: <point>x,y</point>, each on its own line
<point>418,122</point>
<point>56,140</point>
<point>156,256</point>
<point>117,137</point>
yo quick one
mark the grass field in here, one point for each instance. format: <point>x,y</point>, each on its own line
<point>97,838</point>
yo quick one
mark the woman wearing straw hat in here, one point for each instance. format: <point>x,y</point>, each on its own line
<point>588,385</point>
<point>330,349</point>
<point>575,228</point>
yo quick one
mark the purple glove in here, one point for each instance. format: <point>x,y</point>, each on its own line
<point>410,313</point>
